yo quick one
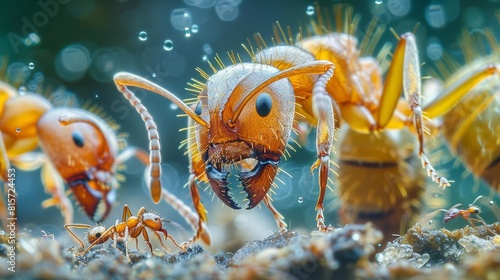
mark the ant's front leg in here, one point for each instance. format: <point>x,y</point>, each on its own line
<point>323,111</point>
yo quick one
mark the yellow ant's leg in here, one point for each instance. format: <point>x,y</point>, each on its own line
<point>451,96</point>
<point>277,216</point>
<point>404,73</point>
<point>323,111</point>
<point>54,185</point>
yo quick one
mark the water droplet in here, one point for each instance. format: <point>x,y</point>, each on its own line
<point>22,90</point>
<point>205,58</point>
<point>379,257</point>
<point>96,96</point>
<point>431,222</point>
<point>168,45</point>
<point>143,36</point>
<point>187,32</point>
<point>154,75</point>
<point>18,129</point>
<point>378,2</point>
<point>301,199</point>
<point>31,65</point>
<point>310,10</point>
<point>491,202</point>
<point>195,28</point>
<point>173,106</point>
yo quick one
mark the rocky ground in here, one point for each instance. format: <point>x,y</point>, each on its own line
<point>352,252</point>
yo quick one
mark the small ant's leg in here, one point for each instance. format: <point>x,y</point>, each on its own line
<point>54,185</point>
<point>176,244</point>
<point>126,244</point>
<point>127,213</point>
<point>323,111</point>
<point>277,216</point>
<point>146,238</point>
<point>115,235</point>
<point>161,242</point>
<point>68,229</point>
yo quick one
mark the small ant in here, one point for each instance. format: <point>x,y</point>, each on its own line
<point>130,227</point>
<point>455,212</point>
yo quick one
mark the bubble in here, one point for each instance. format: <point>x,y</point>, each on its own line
<point>72,62</point>
<point>18,129</point>
<point>491,202</point>
<point>173,106</point>
<point>18,71</point>
<point>187,32</point>
<point>435,16</point>
<point>180,19</point>
<point>431,222</point>
<point>22,90</point>
<point>378,2</point>
<point>195,28</point>
<point>300,200</point>
<point>31,65</point>
<point>168,45</point>
<point>356,237</point>
<point>379,257</point>
<point>227,10</point>
<point>143,36</point>
<point>434,49</point>
<point>32,39</point>
<point>241,222</point>
<point>207,49</point>
<point>473,17</point>
<point>154,75</point>
<point>310,10</point>
<point>204,58</point>
<point>399,7</point>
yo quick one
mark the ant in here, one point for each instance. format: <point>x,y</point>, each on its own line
<point>130,227</point>
<point>466,214</point>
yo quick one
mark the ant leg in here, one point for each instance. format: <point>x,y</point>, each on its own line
<point>277,216</point>
<point>323,111</point>
<point>68,229</point>
<point>54,185</point>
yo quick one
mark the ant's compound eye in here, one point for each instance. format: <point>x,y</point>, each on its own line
<point>263,104</point>
<point>98,235</point>
<point>198,108</point>
<point>78,138</point>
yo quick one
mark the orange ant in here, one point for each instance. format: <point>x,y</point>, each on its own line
<point>130,227</point>
<point>454,212</point>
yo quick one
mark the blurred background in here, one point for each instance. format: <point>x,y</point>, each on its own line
<point>73,48</point>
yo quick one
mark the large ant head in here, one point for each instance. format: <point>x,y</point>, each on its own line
<point>82,149</point>
<point>255,140</point>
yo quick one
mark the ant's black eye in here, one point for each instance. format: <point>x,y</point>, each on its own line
<point>98,235</point>
<point>78,138</point>
<point>263,104</point>
<point>198,109</point>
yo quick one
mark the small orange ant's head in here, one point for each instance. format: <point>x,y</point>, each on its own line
<point>474,209</point>
<point>82,149</point>
<point>249,123</point>
<point>452,214</point>
<point>96,233</point>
